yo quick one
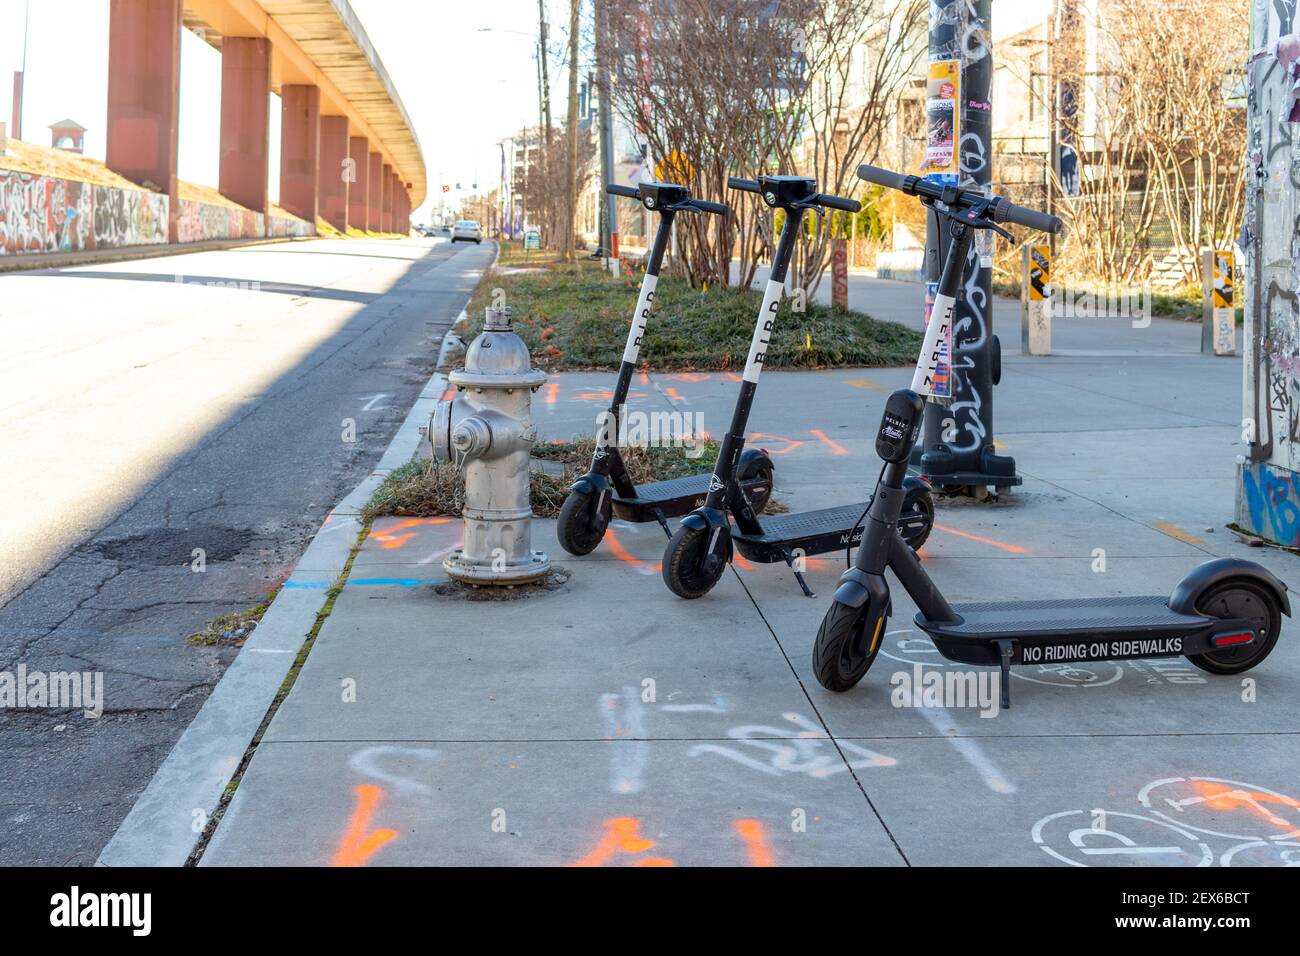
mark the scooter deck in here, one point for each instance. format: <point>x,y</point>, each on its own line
<point>1068,629</point>
<point>809,532</point>
<point>673,498</point>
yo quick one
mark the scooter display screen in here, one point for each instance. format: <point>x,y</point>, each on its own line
<point>898,425</point>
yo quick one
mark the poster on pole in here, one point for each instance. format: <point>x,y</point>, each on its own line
<point>942,119</point>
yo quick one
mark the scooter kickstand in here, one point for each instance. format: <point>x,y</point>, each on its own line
<point>663,522</point>
<point>1005,650</point>
<point>798,575</point>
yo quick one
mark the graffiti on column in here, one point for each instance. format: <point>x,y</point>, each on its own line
<point>1268,499</point>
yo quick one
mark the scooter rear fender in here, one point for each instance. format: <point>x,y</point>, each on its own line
<point>1205,576</point>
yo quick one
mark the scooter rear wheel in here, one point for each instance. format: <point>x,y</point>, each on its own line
<point>759,501</point>
<point>1247,600</point>
<point>843,652</point>
<point>578,533</point>
<point>687,570</point>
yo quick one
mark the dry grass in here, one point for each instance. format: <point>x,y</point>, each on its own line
<point>427,488</point>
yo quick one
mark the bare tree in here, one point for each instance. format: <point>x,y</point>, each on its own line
<point>719,88</point>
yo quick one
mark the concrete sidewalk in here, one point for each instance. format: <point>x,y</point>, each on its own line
<point>608,722</point>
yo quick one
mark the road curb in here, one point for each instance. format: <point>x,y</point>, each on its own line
<point>170,816</point>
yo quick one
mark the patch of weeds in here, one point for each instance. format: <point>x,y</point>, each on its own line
<point>576,315</point>
<point>231,630</point>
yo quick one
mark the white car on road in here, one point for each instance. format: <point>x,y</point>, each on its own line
<point>467,229</point>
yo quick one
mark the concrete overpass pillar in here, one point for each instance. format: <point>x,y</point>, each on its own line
<point>144,75</point>
<point>334,173</point>
<point>376,192</point>
<point>300,151</point>
<point>386,207</point>
<point>359,188</point>
<point>245,120</point>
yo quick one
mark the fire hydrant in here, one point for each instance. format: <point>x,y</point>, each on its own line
<point>488,432</point>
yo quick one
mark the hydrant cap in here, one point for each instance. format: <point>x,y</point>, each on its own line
<point>498,358</point>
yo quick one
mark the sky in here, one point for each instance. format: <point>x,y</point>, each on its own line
<point>467,80</point>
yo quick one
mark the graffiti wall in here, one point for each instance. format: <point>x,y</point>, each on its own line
<point>1267,491</point>
<point>44,214</point>
<point>203,222</point>
<point>40,214</point>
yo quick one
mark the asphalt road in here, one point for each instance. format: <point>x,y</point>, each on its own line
<point>175,431</point>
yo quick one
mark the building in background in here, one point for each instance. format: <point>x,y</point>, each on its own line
<point>68,134</point>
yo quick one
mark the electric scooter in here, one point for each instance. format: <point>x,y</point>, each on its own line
<point>1224,616</point>
<point>607,490</point>
<point>700,549</point>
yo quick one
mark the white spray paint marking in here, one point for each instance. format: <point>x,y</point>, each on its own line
<point>974,755</point>
<point>370,405</point>
<point>624,718</point>
<point>367,763</point>
<point>810,752</point>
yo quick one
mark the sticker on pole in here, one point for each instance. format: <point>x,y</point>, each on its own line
<point>942,117</point>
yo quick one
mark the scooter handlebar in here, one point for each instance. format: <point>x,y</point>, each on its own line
<point>837,202</point>
<point>1006,211</point>
<point>746,185</point>
<point>887,178</point>
<point>1003,210</point>
<point>703,205</point>
<point>627,192</point>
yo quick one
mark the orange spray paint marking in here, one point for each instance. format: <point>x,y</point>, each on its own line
<point>390,540</point>
<point>552,390</point>
<point>604,396</point>
<point>621,553</point>
<point>755,837</point>
<point>622,835</point>
<point>745,563</point>
<point>1174,531</point>
<point>790,443</point>
<point>1010,548</point>
<point>836,448</point>
<point>643,378</point>
<point>1220,797</point>
<point>358,846</point>
<point>450,393</point>
<point>674,396</point>
<point>733,376</point>
<point>863,383</point>
<point>691,376</point>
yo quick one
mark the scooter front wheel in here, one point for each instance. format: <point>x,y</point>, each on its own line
<point>1242,599</point>
<point>579,528</point>
<point>918,500</point>
<point>691,568</point>
<point>844,651</point>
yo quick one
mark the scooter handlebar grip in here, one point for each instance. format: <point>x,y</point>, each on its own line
<point>626,191</point>
<point>747,185</point>
<point>1029,218</point>
<point>883,177</point>
<point>703,205</point>
<point>838,202</point>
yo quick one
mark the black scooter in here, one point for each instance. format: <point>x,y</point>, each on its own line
<point>1224,616</point>
<point>700,549</point>
<point>607,490</point>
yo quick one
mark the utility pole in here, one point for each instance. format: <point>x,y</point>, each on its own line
<point>957,452</point>
<point>571,158</point>
<point>609,223</point>
<point>544,92</point>
<point>20,78</point>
